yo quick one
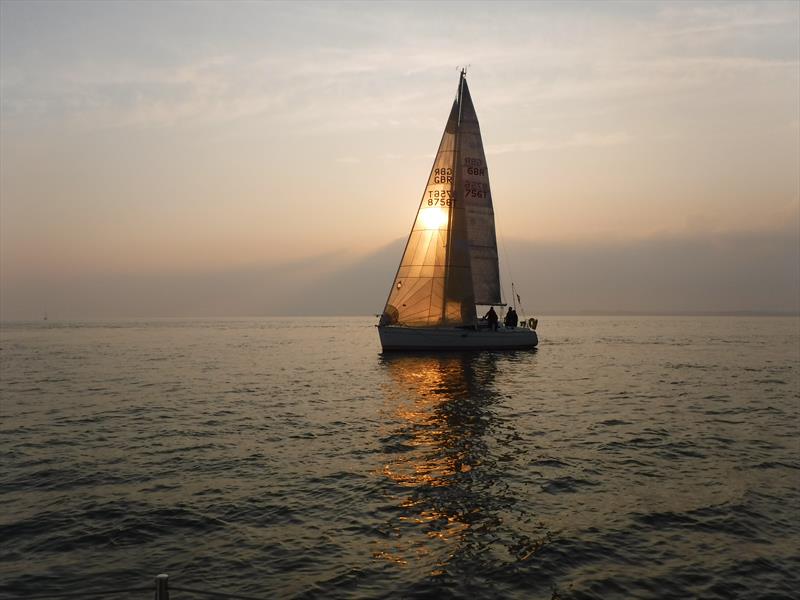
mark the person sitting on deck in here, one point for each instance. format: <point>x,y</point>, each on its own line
<point>492,319</point>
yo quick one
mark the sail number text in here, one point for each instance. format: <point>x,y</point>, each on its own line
<point>440,197</point>
<point>443,175</point>
<point>474,189</point>
<point>475,166</point>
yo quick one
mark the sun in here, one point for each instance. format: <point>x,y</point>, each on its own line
<point>433,218</point>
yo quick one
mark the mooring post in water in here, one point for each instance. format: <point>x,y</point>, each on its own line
<point>162,587</point>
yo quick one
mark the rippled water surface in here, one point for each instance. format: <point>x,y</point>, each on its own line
<point>626,458</point>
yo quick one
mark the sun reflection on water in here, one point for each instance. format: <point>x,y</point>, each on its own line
<point>452,504</point>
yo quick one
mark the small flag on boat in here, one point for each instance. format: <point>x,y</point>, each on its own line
<point>519,299</point>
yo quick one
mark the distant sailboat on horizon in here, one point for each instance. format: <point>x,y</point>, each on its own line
<point>450,263</point>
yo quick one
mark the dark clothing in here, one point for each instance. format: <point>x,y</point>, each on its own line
<point>511,319</point>
<point>492,318</point>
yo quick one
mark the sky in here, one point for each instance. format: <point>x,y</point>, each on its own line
<point>145,145</point>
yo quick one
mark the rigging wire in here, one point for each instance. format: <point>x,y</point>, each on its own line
<point>507,262</point>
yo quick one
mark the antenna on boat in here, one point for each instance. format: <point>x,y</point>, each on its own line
<point>513,294</point>
<point>460,93</point>
<point>463,75</point>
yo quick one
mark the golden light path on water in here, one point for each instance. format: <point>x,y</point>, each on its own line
<point>441,454</point>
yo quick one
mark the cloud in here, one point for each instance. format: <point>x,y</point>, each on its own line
<point>729,18</point>
<point>702,272</point>
<point>577,140</point>
<point>367,83</point>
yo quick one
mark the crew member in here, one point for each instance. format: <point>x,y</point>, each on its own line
<point>491,318</point>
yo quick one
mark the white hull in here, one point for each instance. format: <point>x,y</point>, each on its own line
<point>430,338</point>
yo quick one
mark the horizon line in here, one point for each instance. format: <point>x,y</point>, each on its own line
<point>583,313</point>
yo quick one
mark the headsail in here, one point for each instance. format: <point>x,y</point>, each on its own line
<point>450,259</point>
<point>478,205</point>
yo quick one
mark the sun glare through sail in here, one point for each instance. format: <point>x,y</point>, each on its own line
<point>433,218</point>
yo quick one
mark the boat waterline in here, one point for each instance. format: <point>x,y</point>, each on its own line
<point>398,338</point>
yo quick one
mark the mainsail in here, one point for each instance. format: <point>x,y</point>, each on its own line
<point>450,260</point>
<point>478,205</point>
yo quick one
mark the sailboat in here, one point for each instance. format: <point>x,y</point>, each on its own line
<point>450,264</point>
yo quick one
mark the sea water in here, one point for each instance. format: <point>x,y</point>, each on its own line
<point>627,457</point>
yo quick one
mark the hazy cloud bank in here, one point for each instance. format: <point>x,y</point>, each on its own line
<point>711,273</point>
